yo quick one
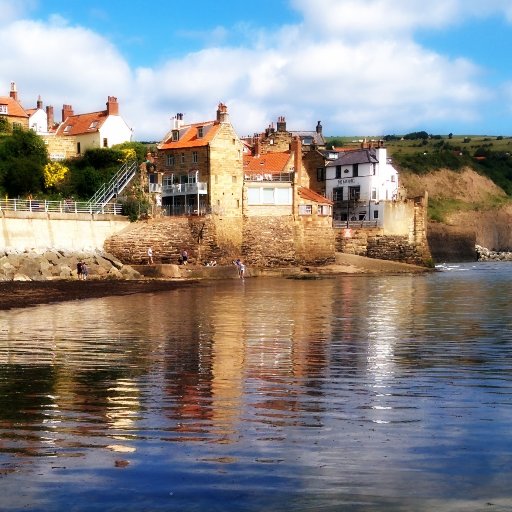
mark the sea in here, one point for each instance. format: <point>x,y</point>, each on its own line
<point>347,393</point>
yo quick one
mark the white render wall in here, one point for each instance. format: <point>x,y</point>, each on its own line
<point>25,230</point>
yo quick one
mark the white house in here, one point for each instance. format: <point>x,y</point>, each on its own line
<point>358,181</point>
<point>101,129</point>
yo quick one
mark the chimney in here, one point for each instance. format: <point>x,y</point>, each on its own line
<point>49,117</point>
<point>112,106</point>
<point>13,93</point>
<point>281,124</point>
<point>318,127</point>
<point>222,114</point>
<point>67,110</point>
<point>177,121</point>
<point>39,102</point>
<point>297,159</point>
<point>256,145</point>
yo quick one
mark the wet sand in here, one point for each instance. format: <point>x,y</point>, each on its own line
<point>16,294</point>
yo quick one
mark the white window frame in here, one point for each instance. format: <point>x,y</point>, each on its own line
<point>305,209</point>
<point>4,110</point>
<point>170,160</point>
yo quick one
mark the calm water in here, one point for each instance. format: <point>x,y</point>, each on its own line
<point>351,393</point>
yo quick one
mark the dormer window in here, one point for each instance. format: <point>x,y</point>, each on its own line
<point>200,132</point>
<point>175,135</point>
<point>68,128</point>
<point>93,125</point>
<point>3,109</point>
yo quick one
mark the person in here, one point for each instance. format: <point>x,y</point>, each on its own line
<point>79,269</point>
<point>241,268</point>
<point>150,256</point>
<point>184,257</point>
<point>85,271</point>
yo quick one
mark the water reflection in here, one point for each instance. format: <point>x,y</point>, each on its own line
<point>298,395</point>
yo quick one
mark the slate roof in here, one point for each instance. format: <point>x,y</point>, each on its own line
<point>360,156</point>
<point>14,108</point>
<point>316,137</point>
<point>189,136</point>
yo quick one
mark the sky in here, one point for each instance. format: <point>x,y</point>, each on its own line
<point>361,67</point>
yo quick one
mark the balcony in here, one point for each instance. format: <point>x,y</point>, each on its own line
<point>185,189</point>
<point>280,177</point>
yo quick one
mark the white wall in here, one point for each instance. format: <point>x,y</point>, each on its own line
<point>25,230</point>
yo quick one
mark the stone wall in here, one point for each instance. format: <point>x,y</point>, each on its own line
<point>451,243</point>
<point>402,238</point>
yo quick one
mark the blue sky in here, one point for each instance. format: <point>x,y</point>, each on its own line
<point>362,67</point>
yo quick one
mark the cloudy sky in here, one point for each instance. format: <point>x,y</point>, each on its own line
<point>362,67</point>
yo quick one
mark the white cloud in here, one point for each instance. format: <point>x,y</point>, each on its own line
<point>352,64</point>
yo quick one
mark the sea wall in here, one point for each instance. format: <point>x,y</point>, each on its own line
<point>65,231</point>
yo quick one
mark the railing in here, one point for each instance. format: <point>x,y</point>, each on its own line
<point>185,210</point>
<point>283,176</point>
<point>154,188</point>
<point>116,185</point>
<point>183,189</point>
<point>43,206</point>
<point>355,224</point>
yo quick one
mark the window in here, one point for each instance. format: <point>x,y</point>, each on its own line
<point>374,194</point>
<point>354,193</point>
<point>320,174</point>
<point>305,209</point>
<point>3,109</point>
<point>338,172</point>
<point>169,159</point>
<point>93,125</point>
<point>182,158</point>
<point>233,179</point>
<point>195,158</point>
<point>375,214</point>
<point>175,135</point>
<point>68,128</point>
<point>324,209</point>
<point>105,142</point>
<point>356,170</point>
<point>337,194</point>
<point>168,181</point>
<point>200,132</point>
<point>267,196</point>
<point>78,149</point>
<point>393,178</point>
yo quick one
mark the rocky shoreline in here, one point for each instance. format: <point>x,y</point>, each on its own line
<point>54,264</point>
<point>484,254</point>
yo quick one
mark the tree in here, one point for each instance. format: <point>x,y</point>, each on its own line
<point>54,174</point>
<point>22,158</point>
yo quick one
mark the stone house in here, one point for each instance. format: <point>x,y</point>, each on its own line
<point>201,165</point>
<point>102,129</point>
<point>11,109</point>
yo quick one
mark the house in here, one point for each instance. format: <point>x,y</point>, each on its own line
<point>102,129</point>
<point>359,181</point>
<point>202,167</point>
<point>38,118</point>
<point>11,109</point>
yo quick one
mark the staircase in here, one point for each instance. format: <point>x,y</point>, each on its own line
<point>115,186</point>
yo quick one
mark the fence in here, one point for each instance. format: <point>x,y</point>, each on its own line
<point>43,206</point>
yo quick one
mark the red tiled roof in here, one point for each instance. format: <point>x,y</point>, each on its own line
<point>307,193</point>
<point>189,136</point>
<point>13,107</point>
<point>268,163</point>
<point>82,123</point>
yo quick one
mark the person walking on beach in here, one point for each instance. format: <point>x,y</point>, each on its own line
<point>240,267</point>
<point>79,270</point>
<point>85,271</point>
<point>150,256</point>
<point>184,257</point>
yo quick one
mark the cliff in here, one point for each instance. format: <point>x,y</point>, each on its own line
<point>469,209</point>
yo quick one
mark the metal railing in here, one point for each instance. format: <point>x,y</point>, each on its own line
<point>355,224</point>
<point>183,189</point>
<point>116,185</point>
<point>283,176</point>
<point>186,210</point>
<point>44,206</point>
